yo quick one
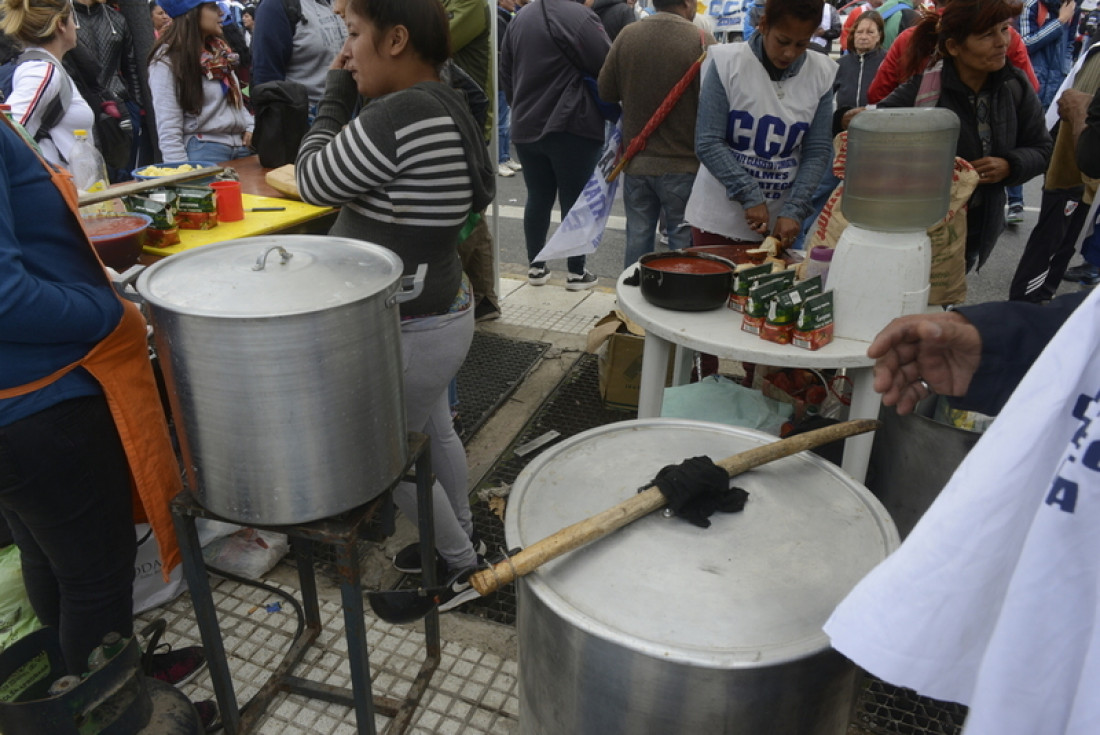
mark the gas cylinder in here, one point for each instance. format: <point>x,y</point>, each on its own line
<point>115,698</point>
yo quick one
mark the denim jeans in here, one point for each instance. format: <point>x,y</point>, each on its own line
<point>555,166</point>
<point>65,492</point>
<point>1015,194</point>
<point>205,150</point>
<point>504,127</point>
<point>645,197</point>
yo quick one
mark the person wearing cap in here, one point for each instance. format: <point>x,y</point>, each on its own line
<point>201,114</point>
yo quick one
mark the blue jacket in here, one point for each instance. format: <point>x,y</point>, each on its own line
<point>754,11</point>
<point>1047,46</point>
<point>55,301</point>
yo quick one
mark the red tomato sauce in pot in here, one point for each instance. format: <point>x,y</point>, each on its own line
<point>681,264</point>
<point>101,227</point>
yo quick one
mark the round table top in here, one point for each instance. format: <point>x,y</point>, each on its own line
<point>718,332</point>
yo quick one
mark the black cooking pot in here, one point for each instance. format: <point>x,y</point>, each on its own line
<point>685,281</point>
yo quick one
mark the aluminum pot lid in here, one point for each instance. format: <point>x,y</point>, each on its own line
<point>274,275</point>
<point>752,590</point>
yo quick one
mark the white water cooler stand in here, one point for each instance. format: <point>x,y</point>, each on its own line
<point>877,276</point>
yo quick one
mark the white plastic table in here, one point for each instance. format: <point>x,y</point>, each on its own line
<point>718,332</point>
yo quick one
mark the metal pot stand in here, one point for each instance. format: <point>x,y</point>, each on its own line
<point>342,532</point>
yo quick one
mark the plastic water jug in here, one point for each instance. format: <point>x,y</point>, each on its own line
<point>899,168</point>
<point>86,164</point>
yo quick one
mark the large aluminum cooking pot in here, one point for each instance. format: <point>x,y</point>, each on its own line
<point>664,628</point>
<point>283,363</point>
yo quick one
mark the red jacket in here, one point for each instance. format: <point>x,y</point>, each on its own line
<point>889,78</point>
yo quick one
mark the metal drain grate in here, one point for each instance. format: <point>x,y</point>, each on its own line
<point>494,368</point>
<point>573,407</point>
<point>884,709</point>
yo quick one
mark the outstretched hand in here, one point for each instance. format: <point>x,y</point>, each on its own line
<point>940,350</point>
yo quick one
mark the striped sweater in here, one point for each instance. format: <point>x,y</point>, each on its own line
<point>399,172</point>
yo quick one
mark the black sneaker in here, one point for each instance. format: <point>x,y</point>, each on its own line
<point>579,282</point>
<point>408,559</point>
<point>486,311</point>
<point>459,590</point>
<point>1015,214</point>
<point>1086,273</point>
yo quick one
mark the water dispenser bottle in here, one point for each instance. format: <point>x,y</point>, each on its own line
<point>897,184</point>
<point>900,162</point>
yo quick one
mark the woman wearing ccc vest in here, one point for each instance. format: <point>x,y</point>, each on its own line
<point>406,172</point>
<point>43,99</point>
<point>763,132</point>
<point>81,424</point>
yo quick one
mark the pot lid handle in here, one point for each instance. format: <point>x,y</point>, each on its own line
<point>411,286</point>
<point>284,257</point>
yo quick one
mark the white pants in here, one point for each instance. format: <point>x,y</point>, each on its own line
<point>433,349</point>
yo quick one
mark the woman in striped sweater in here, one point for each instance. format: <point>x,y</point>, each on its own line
<point>43,98</point>
<point>405,173</point>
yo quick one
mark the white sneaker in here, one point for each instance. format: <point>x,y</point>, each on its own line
<point>503,170</point>
<point>574,282</point>
<point>513,164</point>
<point>537,276</point>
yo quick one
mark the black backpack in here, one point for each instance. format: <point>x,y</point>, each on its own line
<point>282,119</point>
<point>57,107</point>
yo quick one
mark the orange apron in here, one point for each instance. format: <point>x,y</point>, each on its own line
<point>120,363</point>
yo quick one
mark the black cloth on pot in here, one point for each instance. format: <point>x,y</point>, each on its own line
<point>696,488</point>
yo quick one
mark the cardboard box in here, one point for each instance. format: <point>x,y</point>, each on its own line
<point>618,343</point>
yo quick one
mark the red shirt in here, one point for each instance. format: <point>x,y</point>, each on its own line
<point>849,24</point>
<point>889,78</point>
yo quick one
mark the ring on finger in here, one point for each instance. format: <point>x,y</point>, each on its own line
<point>924,384</point>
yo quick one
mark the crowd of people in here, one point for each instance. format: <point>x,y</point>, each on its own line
<point>397,94</point>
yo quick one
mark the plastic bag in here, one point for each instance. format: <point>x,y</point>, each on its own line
<point>248,553</point>
<point>839,398</point>
<point>582,228</point>
<point>719,399</point>
<point>150,589</point>
<point>17,618</point>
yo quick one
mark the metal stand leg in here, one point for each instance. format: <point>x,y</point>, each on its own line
<point>343,532</point>
<point>351,594</point>
<point>194,571</point>
<point>424,484</point>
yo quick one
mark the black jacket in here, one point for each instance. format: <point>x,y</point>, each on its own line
<point>1019,135</point>
<point>854,73</point>
<point>1088,145</point>
<point>614,15</point>
<point>104,33</point>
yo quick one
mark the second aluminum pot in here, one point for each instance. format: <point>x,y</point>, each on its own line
<point>283,362</point>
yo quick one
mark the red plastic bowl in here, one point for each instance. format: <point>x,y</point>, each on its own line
<point>118,238</point>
